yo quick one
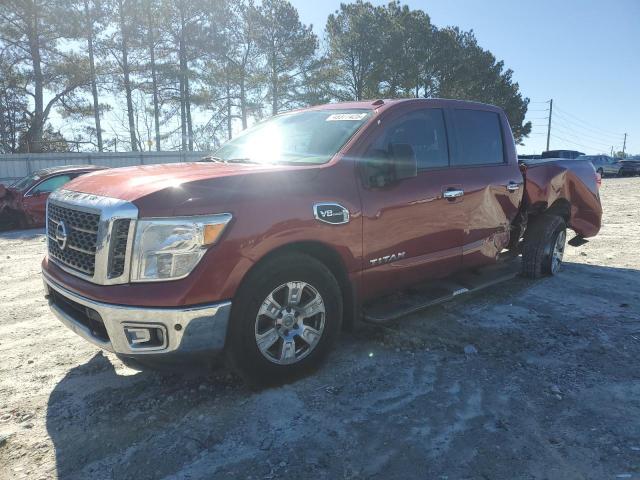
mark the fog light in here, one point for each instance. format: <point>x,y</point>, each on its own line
<point>145,337</point>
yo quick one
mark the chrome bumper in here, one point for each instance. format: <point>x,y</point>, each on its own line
<point>188,330</point>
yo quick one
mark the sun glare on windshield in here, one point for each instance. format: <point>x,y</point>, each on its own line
<point>265,145</point>
<point>309,137</point>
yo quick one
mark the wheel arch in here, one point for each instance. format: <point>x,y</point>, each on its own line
<point>330,258</point>
<point>561,207</point>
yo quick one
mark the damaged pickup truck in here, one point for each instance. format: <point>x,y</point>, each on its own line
<point>304,225</point>
<point>22,205</point>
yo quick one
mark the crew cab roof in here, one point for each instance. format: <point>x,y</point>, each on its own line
<point>383,104</point>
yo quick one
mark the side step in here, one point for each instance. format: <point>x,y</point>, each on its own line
<point>397,305</point>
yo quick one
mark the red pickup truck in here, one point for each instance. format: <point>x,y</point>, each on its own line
<point>303,225</point>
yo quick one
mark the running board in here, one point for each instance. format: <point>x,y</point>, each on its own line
<point>422,296</point>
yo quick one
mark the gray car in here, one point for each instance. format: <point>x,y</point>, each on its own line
<point>605,165</point>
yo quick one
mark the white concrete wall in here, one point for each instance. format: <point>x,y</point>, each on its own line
<point>13,167</point>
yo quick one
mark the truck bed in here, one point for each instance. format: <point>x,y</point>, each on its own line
<point>565,185</point>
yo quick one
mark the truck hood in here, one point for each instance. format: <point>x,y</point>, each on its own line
<point>135,183</point>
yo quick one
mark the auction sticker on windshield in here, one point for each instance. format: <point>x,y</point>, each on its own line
<point>346,116</point>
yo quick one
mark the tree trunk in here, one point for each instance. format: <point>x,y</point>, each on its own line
<point>127,81</point>
<point>243,102</point>
<point>92,72</point>
<point>187,103</point>
<point>154,78</point>
<point>229,124</point>
<point>185,98</point>
<point>274,82</point>
<point>33,138</point>
<point>4,144</point>
<point>183,109</point>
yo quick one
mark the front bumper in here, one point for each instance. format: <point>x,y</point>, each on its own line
<point>171,332</point>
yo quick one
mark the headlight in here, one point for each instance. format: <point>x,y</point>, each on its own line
<point>170,248</point>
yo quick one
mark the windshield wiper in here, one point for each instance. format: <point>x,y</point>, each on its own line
<point>213,158</point>
<point>240,160</point>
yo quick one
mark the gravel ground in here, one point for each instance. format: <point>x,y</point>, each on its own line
<point>528,380</point>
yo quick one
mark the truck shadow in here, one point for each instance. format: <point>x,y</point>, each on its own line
<point>110,422</point>
<point>95,413</point>
<point>29,234</point>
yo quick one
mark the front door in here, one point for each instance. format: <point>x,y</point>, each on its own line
<point>412,228</point>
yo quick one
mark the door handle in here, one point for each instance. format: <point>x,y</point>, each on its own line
<point>513,186</point>
<point>453,193</point>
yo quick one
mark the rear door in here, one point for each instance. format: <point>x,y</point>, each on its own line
<point>484,162</point>
<point>411,229</point>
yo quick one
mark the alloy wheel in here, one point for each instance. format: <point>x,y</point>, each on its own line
<point>290,322</point>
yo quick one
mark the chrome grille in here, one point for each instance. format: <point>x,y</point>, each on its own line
<point>99,235</point>
<point>82,237</point>
<point>119,240</point>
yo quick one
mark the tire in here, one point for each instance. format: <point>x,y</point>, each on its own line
<point>601,172</point>
<point>254,316</point>
<point>543,246</point>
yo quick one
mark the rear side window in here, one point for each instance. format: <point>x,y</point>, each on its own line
<point>479,137</point>
<point>425,133</point>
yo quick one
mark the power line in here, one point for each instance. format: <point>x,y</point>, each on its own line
<point>588,129</point>
<point>571,133</point>
<point>587,123</point>
<point>596,138</point>
<point>582,145</point>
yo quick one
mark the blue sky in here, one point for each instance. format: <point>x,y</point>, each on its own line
<point>583,54</point>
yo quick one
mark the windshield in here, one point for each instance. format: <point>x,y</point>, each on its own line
<point>26,182</point>
<point>308,137</point>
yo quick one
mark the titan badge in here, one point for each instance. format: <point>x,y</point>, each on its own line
<point>387,258</point>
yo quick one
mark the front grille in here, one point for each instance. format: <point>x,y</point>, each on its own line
<point>82,237</point>
<point>119,238</point>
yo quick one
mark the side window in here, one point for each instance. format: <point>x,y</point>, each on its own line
<point>421,134</point>
<point>479,136</point>
<point>50,184</point>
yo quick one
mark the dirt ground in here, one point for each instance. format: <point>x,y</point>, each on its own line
<point>549,387</point>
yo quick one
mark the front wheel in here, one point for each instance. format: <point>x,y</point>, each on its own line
<point>284,319</point>
<point>544,245</point>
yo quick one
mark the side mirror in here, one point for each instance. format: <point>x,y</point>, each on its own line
<point>404,160</point>
<point>383,167</point>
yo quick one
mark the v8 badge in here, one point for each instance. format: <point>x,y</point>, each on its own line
<point>332,213</point>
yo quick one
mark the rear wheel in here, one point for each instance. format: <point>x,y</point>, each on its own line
<point>284,319</point>
<point>544,245</point>
<point>601,172</point>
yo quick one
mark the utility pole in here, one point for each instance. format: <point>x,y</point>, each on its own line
<point>624,144</point>
<point>612,152</point>
<point>549,127</point>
